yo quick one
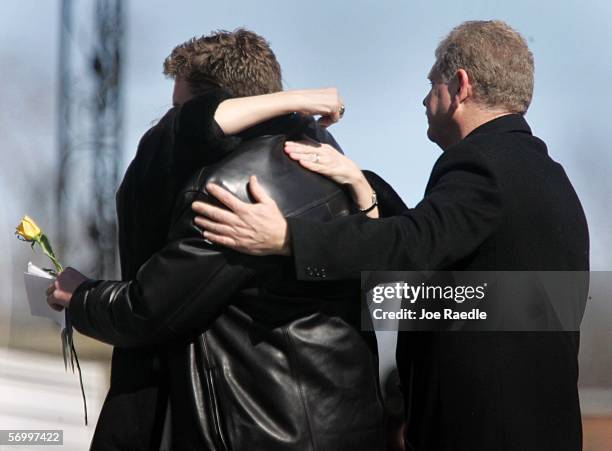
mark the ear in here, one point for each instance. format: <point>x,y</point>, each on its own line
<point>464,86</point>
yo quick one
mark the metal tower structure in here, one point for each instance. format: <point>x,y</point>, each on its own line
<point>100,134</point>
<point>108,131</point>
<point>65,123</point>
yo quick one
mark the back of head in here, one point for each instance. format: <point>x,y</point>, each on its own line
<point>497,60</point>
<point>240,61</point>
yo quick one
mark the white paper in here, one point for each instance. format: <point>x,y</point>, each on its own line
<point>36,283</point>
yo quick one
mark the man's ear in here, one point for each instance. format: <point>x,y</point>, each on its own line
<point>463,86</point>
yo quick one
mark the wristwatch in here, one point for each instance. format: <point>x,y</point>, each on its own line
<point>371,207</point>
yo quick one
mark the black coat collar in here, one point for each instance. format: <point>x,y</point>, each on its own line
<point>509,123</point>
<point>292,125</point>
<point>503,124</point>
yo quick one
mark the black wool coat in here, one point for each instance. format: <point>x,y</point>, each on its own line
<point>494,201</point>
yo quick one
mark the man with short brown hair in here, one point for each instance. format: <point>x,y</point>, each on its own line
<point>241,61</point>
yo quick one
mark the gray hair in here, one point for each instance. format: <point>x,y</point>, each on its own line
<point>497,60</point>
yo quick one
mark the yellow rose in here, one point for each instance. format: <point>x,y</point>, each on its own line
<point>28,229</point>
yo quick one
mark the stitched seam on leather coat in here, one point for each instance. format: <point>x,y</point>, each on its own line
<point>295,373</point>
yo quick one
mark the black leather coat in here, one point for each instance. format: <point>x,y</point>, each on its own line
<point>251,358</point>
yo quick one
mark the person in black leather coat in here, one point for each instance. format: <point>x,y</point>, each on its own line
<point>495,201</point>
<point>249,357</point>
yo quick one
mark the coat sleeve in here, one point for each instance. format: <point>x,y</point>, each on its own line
<point>199,140</point>
<point>461,208</point>
<point>179,291</point>
<point>389,202</point>
<point>185,139</point>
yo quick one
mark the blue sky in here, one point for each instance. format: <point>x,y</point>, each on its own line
<point>376,53</point>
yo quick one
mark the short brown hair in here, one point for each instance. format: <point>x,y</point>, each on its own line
<point>239,61</point>
<point>496,58</point>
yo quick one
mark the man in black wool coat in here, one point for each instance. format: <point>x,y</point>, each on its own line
<point>495,201</point>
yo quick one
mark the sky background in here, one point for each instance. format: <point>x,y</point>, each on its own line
<point>377,53</point>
